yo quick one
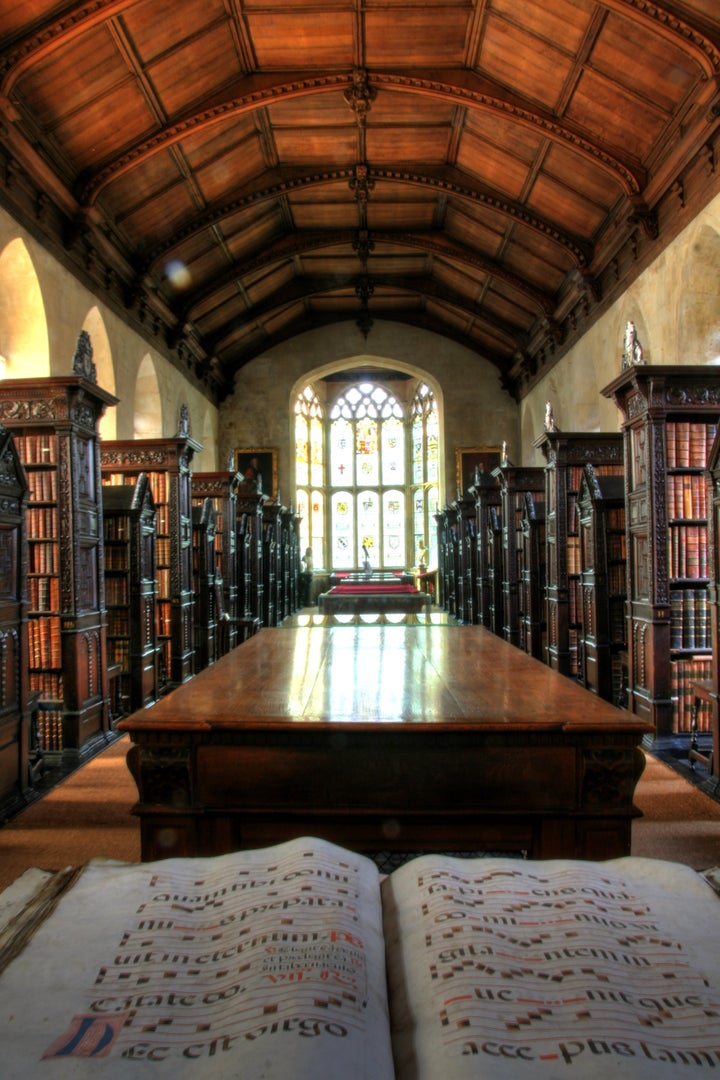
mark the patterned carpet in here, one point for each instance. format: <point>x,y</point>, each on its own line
<point>89,814</point>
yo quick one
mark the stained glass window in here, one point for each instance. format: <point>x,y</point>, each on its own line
<point>367,474</point>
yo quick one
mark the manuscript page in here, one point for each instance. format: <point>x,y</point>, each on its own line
<point>502,969</point>
<point>262,963</point>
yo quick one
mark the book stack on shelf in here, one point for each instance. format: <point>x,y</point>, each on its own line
<point>251,573</point>
<point>129,529</point>
<point>601,516</point>
<point>16,734</point>
<point>487,501</point>
<point>222,490</point>
<point>567,453</point>
<point>514,483</point>
<point>532,578</point>
<point>204,570</point>
<point>466,581</point>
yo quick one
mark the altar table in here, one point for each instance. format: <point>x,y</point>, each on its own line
<point>385,738</point>
<point>357,598</point>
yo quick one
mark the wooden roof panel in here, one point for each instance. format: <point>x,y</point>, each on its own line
<point>415,35</point>
<point>404,145</point>
<point>317,146</point>
<point>514,56</point>
<point>291,39</point>
<point>172,27</point>
<point>615,116</point>
<point>665,74</point>
<point>494,167</point>
<point>177,78</point>
<point>89,71</point>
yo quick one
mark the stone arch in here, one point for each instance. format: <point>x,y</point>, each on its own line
<point>208,441</point>
<point>699,299</point>
<point>24,341</point>
<point>102,358</point>
<point>147,403</point>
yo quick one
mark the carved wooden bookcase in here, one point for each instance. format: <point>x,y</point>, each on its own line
<point>251,578</point>
<point>486,496</point>
<point>272,561</point>
<point>514,482</point>
<point>603,564</point>
<point>466,559</point>
<point>448,545</point>
<point>532,577</point>
<point>129,529</point>
<point>15,732</point>
<point>290,562</point>
<point>204,577</point>
<point>566,454</point>
<point>54,422</point>
<point>167,465</point>
<point>670,414</point>
<point>496,602</point>
<point>707,711</point>
<point>222,489</point>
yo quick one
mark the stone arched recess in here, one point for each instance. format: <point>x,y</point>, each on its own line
<point>147,402</point>
<point>24,342</point>
<point>206,460</point>
<point>699,302</point>
<point>94,324</point>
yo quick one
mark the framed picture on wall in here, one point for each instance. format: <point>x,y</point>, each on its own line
<point>257,461</point>
<point>470,458</point>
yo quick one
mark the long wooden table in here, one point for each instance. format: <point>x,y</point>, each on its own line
<point>385,738</point>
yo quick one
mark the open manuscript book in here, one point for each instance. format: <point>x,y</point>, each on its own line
<point>301,962</point>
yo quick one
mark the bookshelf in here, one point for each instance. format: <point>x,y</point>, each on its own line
<point>129,532</point>
<point>251,586</point>
<point>447,543</point>
<point>496,604</point>
<point>603,562</point>
<point>290,561</point>
<point>466,559</point>
<point>532,577</point>
<point>706,718</point>
<point>54,423</point>
<point>222,489</point>
<point>514,482</point>
<point>204,578</point>
<point>669,419</point>
<point>486,497</point>
<point>167,464</point>
<point>15,733</point>
<point>566,454</point>
<point>272,562</point>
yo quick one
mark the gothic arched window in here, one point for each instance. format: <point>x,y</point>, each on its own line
<point>367,476</point>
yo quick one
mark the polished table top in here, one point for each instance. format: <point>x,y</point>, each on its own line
<point>413,676</point>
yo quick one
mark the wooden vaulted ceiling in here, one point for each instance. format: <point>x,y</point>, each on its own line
<point>234,172</point>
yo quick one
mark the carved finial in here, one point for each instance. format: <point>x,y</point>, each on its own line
<point>632,349</point>
<point>83,358</point>
<point>231,461</point>
<point>550,424</point>
<point>184,421</point>
<point>503,454</point>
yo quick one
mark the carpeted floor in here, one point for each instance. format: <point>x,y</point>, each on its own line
<point>88,814</point>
